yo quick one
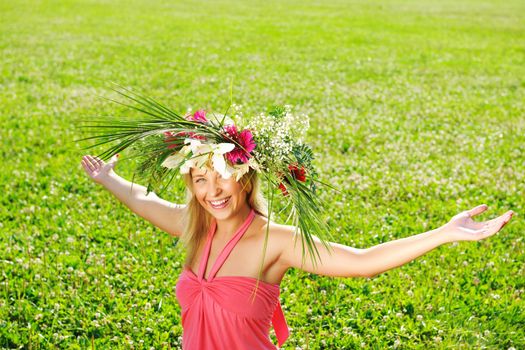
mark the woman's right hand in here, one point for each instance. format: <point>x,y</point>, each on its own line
<point>97,169</point>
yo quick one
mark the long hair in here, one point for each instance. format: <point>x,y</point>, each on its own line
<point>197,220</point>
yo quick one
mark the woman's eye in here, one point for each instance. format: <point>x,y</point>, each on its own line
<point>199,179</point>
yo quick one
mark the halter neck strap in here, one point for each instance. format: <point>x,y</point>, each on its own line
<point>226,250</point>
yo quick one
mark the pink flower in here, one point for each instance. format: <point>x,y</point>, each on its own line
<point>239,155</point>
<point>172,140</point>
<point>199,116</point>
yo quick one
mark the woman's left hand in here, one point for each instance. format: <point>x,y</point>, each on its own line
<point>462,228</point>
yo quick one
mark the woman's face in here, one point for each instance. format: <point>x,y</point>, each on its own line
<point>222,198</point>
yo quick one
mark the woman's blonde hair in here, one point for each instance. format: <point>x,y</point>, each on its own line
<point>197,220</point>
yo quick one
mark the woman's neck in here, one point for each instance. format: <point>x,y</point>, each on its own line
<point>226,228</point>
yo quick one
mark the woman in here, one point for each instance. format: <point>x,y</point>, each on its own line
<point>223,226</point>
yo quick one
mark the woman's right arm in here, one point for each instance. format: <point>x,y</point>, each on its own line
<point>165,215</point>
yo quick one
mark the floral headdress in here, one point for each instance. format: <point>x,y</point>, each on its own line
<point>272,144</point>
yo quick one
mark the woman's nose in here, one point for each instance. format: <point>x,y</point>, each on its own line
<point>214,186</point>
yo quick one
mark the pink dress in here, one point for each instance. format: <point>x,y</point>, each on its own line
<point>221,313</point>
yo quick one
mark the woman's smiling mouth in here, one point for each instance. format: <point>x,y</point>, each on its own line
<point>220,203</point>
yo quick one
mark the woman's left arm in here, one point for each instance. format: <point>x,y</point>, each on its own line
<point>346,261</point>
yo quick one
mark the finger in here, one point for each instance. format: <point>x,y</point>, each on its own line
<point>112,162</point>
<point>88,163</point>
<point>93,162</point>
<point>505,216</point>
<point>490,230</point>
<point>94,159</point>
<point>496,226</point>
<point>98,160</point>
<point>86,168</point>
<point>502,219</point>
<point>89,159</point>
<point>477,210</point>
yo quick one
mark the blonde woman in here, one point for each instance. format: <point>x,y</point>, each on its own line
<point>223,226</point>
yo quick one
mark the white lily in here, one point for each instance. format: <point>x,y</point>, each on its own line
<point>175,160</point>
<point>241,169</point>
<point>201,153</point>
<point>218,161</point>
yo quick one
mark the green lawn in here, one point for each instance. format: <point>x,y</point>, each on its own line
<point>417,113</point>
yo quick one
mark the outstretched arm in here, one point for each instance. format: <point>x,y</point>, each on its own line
<point>165,215</point>
<point>103,174</point>
<point>345,261</point>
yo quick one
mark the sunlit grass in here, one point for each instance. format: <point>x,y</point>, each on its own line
<point>416,111</point>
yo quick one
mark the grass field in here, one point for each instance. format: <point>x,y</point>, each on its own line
<point>417,113</point>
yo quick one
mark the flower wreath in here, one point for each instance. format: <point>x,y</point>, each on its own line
<point>167,143</point>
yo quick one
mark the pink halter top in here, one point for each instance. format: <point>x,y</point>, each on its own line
<point>220,313</point>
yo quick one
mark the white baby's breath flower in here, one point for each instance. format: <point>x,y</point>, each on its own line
<point>276,136</point>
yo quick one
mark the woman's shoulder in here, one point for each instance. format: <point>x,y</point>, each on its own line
<point>279,233</point>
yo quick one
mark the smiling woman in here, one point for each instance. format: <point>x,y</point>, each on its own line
<point>213,191</point>
<point>204,187</point>
<point>226,229</point>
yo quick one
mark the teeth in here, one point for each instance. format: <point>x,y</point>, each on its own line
<point>219,202</point>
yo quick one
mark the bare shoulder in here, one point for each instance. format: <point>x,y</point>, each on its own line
<point>275,237</point>
<point>279,236</point>
<point>277,231</point>
<point>330,258</point>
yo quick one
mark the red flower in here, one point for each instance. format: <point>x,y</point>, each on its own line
<point>239,155</point>
<point>299,174</point>
<point>282,187</point>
